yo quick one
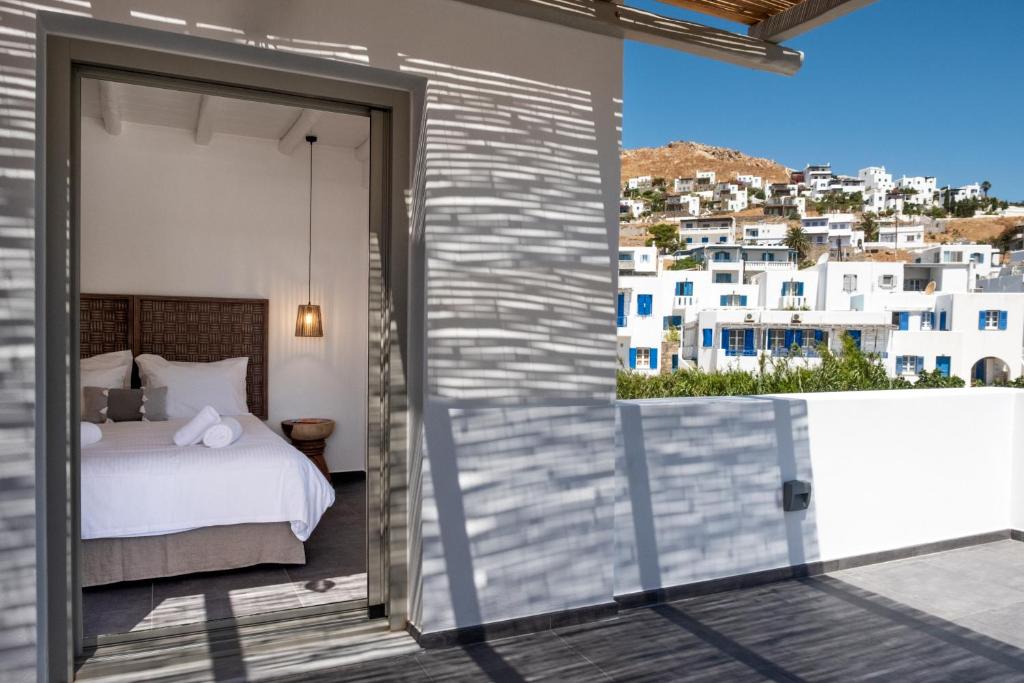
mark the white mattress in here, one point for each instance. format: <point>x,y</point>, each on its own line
<point>136,482</point>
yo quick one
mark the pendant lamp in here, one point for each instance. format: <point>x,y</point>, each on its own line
<point>309,321</point>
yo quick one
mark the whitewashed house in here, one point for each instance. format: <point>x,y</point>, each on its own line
<point>730,197</point>
<point>684,185</point>
<point>984,259</point>
<point>817,178</point>
<point>783,206</point>
<point>643,182</point>
<point>838,231</point>
<point>639,260</point>
<point>764,233</point>
<point>922,190</point>
<point>705,180</point>
<point>683,203</point>
<point>754,181</point>
<point>633,208</point>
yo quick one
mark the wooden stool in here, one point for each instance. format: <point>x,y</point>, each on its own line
<point>309,435</point>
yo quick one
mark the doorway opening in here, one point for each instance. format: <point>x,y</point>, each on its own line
<point>206,221</point>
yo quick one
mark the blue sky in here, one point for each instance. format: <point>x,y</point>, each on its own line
<point>924,87</point>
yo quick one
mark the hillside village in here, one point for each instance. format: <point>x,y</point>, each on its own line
<point>727,261</point>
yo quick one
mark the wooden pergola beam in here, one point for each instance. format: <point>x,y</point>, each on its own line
<point>608,17</point>
<point>803,17</point>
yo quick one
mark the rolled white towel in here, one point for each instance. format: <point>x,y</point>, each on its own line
<point>224,434</point>
<point>192,431</point>
<point>91,433</point>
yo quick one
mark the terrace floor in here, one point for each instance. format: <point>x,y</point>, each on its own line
<point>957,615</point>
<point>952,616</point>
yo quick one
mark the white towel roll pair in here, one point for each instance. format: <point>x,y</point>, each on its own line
<point>210,429</point>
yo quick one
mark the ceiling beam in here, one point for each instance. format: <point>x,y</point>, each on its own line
<point>803,17</point>
<point>204,120</point>
<point>628,23</point>
<point>110,108</point>
<point>298,132</point>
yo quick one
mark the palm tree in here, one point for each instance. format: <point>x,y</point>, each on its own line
<point>985,187</point>
<point>797,240</point>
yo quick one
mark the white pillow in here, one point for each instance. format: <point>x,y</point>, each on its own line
<point>191,386</point>
<point>107,370</point>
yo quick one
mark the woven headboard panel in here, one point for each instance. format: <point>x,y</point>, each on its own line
<point>182,328</point>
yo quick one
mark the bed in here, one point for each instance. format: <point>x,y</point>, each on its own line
<point>151,509</point>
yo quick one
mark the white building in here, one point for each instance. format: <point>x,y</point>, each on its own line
<point>684,185</point>
<point>817,178</point>
<point>836,230</point>
<point>684,203</point>
<point>642,182</point>
<point>754,181</point>
<point>634,208</point>
<point>902,236</point>
<point>639,260</point>
<point>783,206</point>
<point>767,234</point>
<point>922,190</point>
<point>983,259</point>
<point>694,232</point>
<point>730,197</point>
<point>705,179</point>
<point>876,178</point>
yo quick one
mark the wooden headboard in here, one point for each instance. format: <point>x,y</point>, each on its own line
<point>182,328</point>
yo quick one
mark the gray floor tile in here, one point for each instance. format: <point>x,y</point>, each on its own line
<point>1004,624</point>
<point>537,657</point>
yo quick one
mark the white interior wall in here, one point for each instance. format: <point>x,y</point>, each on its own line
<point>163,215</point>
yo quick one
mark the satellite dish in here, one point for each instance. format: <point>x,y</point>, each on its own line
<point>823,259</point>
<point>930,289</point>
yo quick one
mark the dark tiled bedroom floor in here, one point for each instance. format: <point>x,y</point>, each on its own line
<point>335,571</point>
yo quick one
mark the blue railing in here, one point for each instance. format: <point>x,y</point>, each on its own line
<point>741,352</point>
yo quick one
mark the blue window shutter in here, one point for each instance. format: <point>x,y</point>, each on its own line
<point>654,359</point>
<point>708,338</point>
<point>743,300</point>
<point>622,304</point>
<point>679,289</point>
<point>942,320</point>
<point>904,320</point>
<point>899,365</point>
<point>643,304</point>
<point>789,339</point>
<point>942,365</point>
<point>918,368</point>
<point>748,341</point>
<point>855,335</point>
<point>724,300</point>
<point>632,358</point>
<point>819,336</point>
<point>1002,320</point>
<point>981,320</point>
<point>785,288</point>
<point>725,338</point>
<point>799,289</point>
<point>687,289</point>
<point>799,334</point>
<point>675,361</point>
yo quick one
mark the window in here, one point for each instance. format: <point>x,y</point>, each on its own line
<point>909,365</point>
<point>675,321</point>
<point>620,310</point>
<point>721,256</point>
<point>887,281</point>
<point>707,337</point>
<point>735,342</point>
<point>978,258</point>
<point>645,258</point>
<point>643,359</point>
<point>901,319</point>
<point>644,304</point>
<point>704,240</point>
<point>776,339</point>
<point>914,285</point>
<point>723,278</point>
<point>733,300</point>
<point>792,288</point>
<point>689,240</point>
<point>625,256</point>
<point>991,320</point>
<point>849,283</point>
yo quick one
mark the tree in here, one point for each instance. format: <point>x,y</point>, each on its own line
<point>985,187</point>
<point>797,240</point>
<point>869,224</point>
<point>664,236</point>
<point>687,263</point>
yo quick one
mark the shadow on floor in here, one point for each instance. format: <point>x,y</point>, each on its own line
<point>335,571</point>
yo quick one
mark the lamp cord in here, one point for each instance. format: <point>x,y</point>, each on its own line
<point>309,262</point>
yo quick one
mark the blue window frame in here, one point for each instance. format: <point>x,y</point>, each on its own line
<point>620,311</point>
<point>942,365</point>
<point>644,304</point>
<point>707,340</point>
<point>723,278</point>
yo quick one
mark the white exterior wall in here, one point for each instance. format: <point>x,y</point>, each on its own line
<point>501,366</point>
<point>770,285</point>
<point>875,489</point>
<point>754,181</point>
<point>639,182</point>
<point>768,234</point>
<point>830,281</point>
<point>638,259</point>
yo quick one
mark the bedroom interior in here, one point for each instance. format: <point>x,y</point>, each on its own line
<point>224,270</point>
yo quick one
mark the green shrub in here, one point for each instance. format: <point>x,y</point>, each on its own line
<point>851,370</point>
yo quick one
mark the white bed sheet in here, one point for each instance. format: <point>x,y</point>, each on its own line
<point>136,482</point>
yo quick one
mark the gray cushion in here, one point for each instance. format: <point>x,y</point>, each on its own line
<point>124,405</point>
<point>154,404</point>
<point>94,404</point>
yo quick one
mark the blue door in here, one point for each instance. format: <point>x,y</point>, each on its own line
<point>942,364</point>
<point>620,316</point>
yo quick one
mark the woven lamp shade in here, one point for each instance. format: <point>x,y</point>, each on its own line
<point>309,323</point>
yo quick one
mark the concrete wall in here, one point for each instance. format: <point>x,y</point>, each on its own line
<point>162,215</point>
<point>699,481</point>
<point>516,209</point>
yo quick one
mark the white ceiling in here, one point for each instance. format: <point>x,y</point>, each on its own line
<point>180,109</point>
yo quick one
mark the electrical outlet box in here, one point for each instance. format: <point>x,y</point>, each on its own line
<point>796,495</point>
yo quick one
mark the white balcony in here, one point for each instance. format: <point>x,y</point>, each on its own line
<point>682,302</point>
<point>791,302</point>
<point>770,265</point>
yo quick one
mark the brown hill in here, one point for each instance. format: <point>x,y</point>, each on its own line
<point>980,229</point>
<point>683,159</point>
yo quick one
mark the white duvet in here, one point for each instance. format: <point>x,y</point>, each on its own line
<point>136,482</point>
